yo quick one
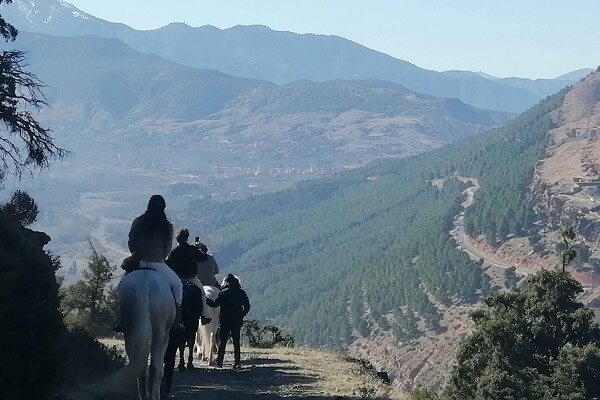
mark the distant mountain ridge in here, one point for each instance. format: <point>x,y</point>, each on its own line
<point>261,53</point>
<point>123,87</point>
<point>540,87</point>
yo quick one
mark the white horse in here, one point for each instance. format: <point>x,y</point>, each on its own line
<point>148,310</point>
<point>206,335</point>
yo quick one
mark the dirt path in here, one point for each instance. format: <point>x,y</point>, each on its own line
<point>281,373</point>
<point>464,241</point>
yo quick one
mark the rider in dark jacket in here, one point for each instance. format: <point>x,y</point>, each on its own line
<point>235,305</point>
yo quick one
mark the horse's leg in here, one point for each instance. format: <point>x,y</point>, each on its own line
<point>190,345</point>
<point>199,343</point>
<point>170,355</point>
<point>210,349</point>
<point>143,383</point>
<point>160,342</point>
<point>214,340</point>
<point>181,366</point>
<point>137,332</point>
<point>205,340</point>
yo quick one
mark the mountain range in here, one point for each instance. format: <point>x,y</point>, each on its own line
<point>152,125</point>
<point>282,57</point>
<point>103,86</point>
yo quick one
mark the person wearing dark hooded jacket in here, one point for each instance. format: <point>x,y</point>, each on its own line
<point>235,305</point>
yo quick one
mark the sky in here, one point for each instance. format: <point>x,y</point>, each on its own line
<point>527,38</point>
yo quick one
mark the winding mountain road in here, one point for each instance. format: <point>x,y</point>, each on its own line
<point>465,242</point>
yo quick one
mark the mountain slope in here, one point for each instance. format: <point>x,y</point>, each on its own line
<point>367,253</point>
<point>138,124</point>
<point>260,53</point>
<point>93,80</point>
<point>566,185</point>
<point>122,82</point>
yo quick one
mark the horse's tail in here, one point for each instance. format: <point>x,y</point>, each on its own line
<point>137,329</point>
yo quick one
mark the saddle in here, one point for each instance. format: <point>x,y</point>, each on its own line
<point>131,263</point>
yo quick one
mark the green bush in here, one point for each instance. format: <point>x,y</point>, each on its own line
<point>535,342</point>
<point>85,358</point>
<point>265,337</point>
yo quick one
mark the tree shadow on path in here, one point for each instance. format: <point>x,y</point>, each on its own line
<point>265,379</point>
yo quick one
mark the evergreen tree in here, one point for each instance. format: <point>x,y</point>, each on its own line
<point>536,342</point>
<point>20,89</point>
<point>511,280</point>
<point>486,284</point>
<point>31,322</point>
<point>90,303</point>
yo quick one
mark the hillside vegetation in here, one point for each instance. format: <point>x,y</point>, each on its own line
<point>374,241</point>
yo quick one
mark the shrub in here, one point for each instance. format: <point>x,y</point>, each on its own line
<point>31,321</point>
<point>86,358</point>
<point>265,337</point>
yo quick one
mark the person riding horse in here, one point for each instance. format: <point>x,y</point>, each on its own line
<point>207,268</point>
<point>184,261</point>
<point>150,241</point>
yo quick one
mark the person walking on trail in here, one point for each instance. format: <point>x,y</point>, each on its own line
<point>235,305</point>
<point>184,260</point>
<point>150,242</point>
<point>208,268</point>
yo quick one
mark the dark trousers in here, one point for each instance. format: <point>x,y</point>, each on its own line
<point>226,332</point>
<point>169,367</point>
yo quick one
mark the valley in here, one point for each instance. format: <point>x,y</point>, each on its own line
<point>408,333</point>
<point>379,213</point>
<point>136,124</point>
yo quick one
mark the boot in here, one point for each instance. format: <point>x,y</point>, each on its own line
<point>119,327</point>
<point>177,332</point>
<point>205,320</point>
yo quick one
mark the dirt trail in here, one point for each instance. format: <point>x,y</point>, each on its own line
<point>466,243</point>
<point>281,373</point>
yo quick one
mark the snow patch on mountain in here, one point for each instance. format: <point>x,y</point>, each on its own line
<point>46,11</point>
<point>77,13</point>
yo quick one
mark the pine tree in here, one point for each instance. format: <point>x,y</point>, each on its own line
<point>19,91</point>
<point>511,280</point>
<point>89,303</point>
<point>535,342</point>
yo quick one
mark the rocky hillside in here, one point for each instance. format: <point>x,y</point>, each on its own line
<point>566,185</point>
<point>370,255</point>
<point>365,260</point>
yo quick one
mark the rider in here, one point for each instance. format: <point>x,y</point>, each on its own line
<point>184,260</point>
<point>235,305</point>
<point>207,268</point>
<point>150,239</point>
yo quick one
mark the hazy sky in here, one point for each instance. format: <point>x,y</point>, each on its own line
<point>529,38</point>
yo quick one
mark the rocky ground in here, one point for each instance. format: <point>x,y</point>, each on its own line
<point>290,373</point>
<point>283,373</point>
